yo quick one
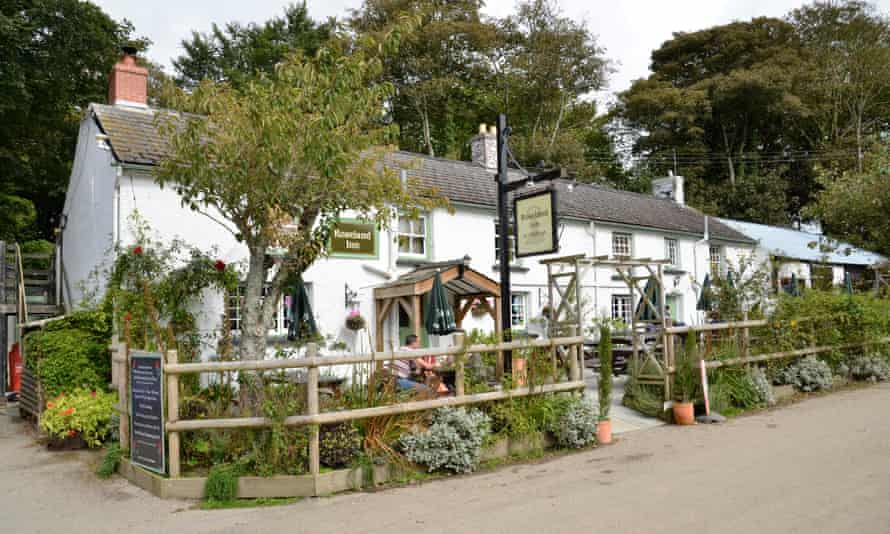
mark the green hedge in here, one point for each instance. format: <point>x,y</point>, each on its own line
<point>71,353</point>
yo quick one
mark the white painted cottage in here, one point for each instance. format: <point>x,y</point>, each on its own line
<point>118,146</point>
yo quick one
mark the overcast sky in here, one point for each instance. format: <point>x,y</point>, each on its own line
<point>628,29</point>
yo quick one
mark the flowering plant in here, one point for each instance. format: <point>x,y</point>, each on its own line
<point>355,321</point>
<point>83,412</point>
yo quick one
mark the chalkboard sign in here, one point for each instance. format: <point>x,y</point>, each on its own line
<point>147,410</point>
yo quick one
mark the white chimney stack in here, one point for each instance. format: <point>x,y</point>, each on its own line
<point>671,187</point>
<point>484,147</point>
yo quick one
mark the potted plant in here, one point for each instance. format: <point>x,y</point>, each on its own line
<point>79,419</point>
<point>604,424</point>
<point>686,383</point>
<point>355,321</point>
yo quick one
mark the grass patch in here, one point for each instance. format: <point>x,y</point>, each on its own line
<point>109,463</point>
<point>249,503</point>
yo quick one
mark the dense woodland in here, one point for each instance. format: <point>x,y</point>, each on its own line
<point>770,120</point>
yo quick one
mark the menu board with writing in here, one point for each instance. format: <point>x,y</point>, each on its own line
<point>535,224</point>
<point>147,410</point>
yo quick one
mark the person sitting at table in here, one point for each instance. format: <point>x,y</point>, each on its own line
<point>402,368</point>
<point>425,365</point>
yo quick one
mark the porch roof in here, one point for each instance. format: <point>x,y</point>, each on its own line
<point>457,276</point>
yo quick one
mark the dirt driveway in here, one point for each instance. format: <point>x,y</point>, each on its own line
<point>819,466</point>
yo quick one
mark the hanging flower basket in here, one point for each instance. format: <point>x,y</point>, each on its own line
<point>355,321</point>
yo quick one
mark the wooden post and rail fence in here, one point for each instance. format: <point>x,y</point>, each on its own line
<point>312,362</point>
<point>744,328</point>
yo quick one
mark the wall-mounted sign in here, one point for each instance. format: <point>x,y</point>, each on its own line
<point>147,410</point>
<point>354,239</point>
<point>534,218</point>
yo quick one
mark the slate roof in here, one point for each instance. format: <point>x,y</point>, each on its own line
<point>134,139</point>
<point>805,246</point>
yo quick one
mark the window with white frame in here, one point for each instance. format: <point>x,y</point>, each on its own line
<point>622,244</point>
<point>715,258</point>
<point>672,251</point>
<point>519,310</point>
<point>511,240</point>
<point>280,319</point>
<point>622,306</point>
<point>412,235</point>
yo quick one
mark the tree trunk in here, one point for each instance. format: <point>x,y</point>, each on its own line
<point>253,329</point>
<point>728,156</point>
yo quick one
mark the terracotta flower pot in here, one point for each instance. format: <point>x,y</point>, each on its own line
<point>520,377</point>
<point>604,431</point>
<point>684,413</point>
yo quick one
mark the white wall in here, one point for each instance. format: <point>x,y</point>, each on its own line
<point>88,214</point>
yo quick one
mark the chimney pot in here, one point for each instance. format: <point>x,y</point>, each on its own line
<point>128,83</point>
<point>483,128</point>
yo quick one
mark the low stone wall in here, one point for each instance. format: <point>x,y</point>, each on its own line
<point>252,487</point>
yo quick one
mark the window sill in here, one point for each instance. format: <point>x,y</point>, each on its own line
<point>514,268</point>
<point>674,270</point>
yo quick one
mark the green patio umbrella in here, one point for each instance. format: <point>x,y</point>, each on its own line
<point>651,290</point>
<point>706,297</point>
<point>793,287</point>
<point>439,317</point>
<point>302,322</point>
<point>848,284</point>
<point>730,281</point>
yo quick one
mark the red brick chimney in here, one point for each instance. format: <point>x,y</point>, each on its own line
<point>129,82</point>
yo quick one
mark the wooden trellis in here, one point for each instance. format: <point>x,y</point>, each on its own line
<point>653,362</point>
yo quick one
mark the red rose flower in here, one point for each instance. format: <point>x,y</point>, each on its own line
<point>72,433</point>
<point>137,250</point>
<point>220,265</point>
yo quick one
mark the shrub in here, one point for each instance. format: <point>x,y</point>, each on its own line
<point>604,384</point>
<point>71,354</point>
<point>82,411</point>
<point>222,483</point>
<point>453,441</point>
<point>577,427</point>
<point>869,367</point>
<point>339,444</point>
<point>527,415</point>
<point>808,374</point>
<point>685,377</point>
<point>761,385</point>
<point>109,463</point>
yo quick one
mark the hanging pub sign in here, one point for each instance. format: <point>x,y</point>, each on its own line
<point>147,410</point>
<point>351,238</point>
<point>534,221</point>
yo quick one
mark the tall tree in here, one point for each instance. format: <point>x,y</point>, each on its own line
<point>848,43</point>
<point>236,52</point>
<point>549,65</point>
<point>853,205</point>
<point>441,72</point>
<point>276,159</point>
<point>56,58</point>
<point>721,107</point>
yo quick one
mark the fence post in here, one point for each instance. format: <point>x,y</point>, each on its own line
<point>123,394</point>
<point>460,339</point>
<point>573,356</point>
<point>312,408</point>
<point>173,415</point>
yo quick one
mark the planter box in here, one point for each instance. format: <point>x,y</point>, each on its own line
<point>251,487</point>
<point>68,443</point>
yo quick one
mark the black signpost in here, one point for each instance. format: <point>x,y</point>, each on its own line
<point>147,410</point>
<point>505,187</point>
